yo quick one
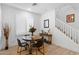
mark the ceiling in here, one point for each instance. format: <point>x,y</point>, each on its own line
<point>40,8</point>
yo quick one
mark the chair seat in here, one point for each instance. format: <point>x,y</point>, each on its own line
<point>24,44</point>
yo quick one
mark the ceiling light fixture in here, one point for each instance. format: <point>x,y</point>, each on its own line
<point>34,4</point>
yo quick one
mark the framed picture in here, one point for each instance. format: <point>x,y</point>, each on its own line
<point>70,18</point>
<point>46,23</point>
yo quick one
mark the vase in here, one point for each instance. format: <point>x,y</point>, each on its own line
<point>6,44</point>
<point>32,33</point>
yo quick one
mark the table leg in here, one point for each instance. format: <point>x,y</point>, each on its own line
<point>30,49</point>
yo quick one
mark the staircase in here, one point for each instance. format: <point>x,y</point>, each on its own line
<point>70,34</point>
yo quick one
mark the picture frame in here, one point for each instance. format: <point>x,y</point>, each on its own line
<point>46,23</point>
<point>70,18</point>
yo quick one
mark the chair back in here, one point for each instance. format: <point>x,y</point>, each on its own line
<point>40,42</point>
<point>19,42</point>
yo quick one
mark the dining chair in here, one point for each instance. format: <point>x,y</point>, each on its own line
<point>22,45</point>
<point>39,45</point>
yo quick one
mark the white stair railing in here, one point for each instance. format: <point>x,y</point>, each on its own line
<point>69,31</point>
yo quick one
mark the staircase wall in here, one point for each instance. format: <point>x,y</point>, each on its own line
<point>62,40</point>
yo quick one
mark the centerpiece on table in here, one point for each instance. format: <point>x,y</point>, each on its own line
<point>32,30</point>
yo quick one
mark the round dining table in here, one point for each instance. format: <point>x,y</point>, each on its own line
<point>31,39</point>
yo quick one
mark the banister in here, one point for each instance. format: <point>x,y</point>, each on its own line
<point>68,30</point>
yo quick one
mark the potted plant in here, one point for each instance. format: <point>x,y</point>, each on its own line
<point>6,35</point>
<point>32,30</point>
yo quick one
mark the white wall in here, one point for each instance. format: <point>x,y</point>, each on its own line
<point>60,38</point>
<point>17,20</point>
<point>37,23</point>
<point>62,11</point>
<point>48,15</point>
<point>51,16</point>
<point>0,20</point>
<point>21,23</point>
<point>8,16</point>
<point>65,10</point>
<point>0,29</point>
<point>24,20</point>
<point>33,20</point>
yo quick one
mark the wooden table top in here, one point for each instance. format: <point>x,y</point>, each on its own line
<point>47,34</point>
<point>35,37</point>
